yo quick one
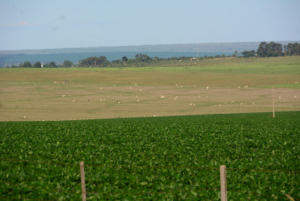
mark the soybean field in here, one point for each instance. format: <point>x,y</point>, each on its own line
<point>155,158</point>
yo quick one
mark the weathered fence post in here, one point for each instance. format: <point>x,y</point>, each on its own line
<point>82,181</point>
<point>223,183</point>
<point>273,104</point>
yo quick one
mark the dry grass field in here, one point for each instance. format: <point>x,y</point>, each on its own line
<point>209,87</point>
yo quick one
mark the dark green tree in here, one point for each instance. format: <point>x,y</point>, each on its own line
<point>37,65</point>
<point>67,63</point>
<point>94,61</point>
<point>269,49</point>
<point>250,53</point>
<point>262,49</point>
<point>27,64</point>
<point>279,49</point>
<point>294,50</point>
<point>236,53</point>
<point>290,48</point>
<point>284,47</point>
<point>142,58</point>
<point>297,50</point>
<point>124,58</point>
<point>52,64</point>
<point>116,61</point>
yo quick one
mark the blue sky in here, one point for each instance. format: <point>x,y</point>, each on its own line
<point>44,24</point>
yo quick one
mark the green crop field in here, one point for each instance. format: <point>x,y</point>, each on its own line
<point>158,158</point>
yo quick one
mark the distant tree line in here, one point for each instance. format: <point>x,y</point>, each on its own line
<point>292,49</point>
<point>273,49</point>
<point>38,64</point>
<point>139,60</point>
<point>94,61</point>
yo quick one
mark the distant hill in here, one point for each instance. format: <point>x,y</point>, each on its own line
<point>202,47</point>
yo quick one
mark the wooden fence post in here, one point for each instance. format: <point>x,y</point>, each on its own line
<point>223,183</point>
<point>82,181</point>
<point>273,104</point>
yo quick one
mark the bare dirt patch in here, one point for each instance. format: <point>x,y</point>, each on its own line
<point>93,101</point>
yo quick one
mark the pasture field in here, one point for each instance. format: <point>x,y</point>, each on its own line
<point>240,85</point>
<point>162,158</point>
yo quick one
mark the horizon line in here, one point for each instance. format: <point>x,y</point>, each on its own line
<point>150,45</point>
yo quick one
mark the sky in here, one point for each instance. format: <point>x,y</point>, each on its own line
<point>48,24</point>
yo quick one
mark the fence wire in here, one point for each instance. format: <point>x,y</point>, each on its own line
<point>134,166</point>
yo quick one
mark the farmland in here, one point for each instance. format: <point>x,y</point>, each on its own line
<point>153,158</point>
<point>194,119</point>
<point>235,86</point>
